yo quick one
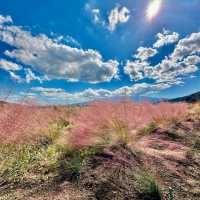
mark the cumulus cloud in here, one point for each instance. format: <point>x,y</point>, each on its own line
<point>165,38</point>
<point>93,94</point>
<point>144,53</point>
<point>118,15</point>
<point>135,69</point>
<point>167,70</point>
<point>65,40</point>
<point>9,66</point>
<point>5,19</point>
<point>187,46</point>
<point>12,67</point>
<point>56,60</point>
<point>31,76</point>
<point>174,68</point>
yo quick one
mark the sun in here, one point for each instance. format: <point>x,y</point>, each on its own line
<point>153,9</point>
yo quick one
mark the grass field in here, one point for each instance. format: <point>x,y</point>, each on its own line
<point>104,150</point>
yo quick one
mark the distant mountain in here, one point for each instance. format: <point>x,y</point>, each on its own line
<point>135,98</point>
<point>190,98</point>
<point>145,98</point>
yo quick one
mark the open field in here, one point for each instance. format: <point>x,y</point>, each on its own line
<point>104,150</point>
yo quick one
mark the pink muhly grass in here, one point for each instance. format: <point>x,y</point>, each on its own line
<point>102,121</point>
<point>21,123</point>
<point>170,112</point>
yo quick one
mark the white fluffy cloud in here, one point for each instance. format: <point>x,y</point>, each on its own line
<point>93,94</point>
<point>117,16</point>
<point>144,53</point>
<point>184,60</point>
<point>5,19</point>
<point>165,38</point>
<point>12,68</point>
<point>167,70</point>
<point>9,66</point>
<point>135,69</point>
<point>30,76</point>
<point>57,61</point>
<point>187,46</point>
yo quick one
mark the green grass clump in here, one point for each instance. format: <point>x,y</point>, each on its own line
<point>55,131</point>
<point>148,187</point>
<point>43,159</point>
<point>150,128</point>
<point>77,158</point>
<point>147,130</point>
<point>44,163</point>
<point>16,161</point>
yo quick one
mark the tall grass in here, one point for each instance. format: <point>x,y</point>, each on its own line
<point>114,121</point>
<point>23,123</point>
<point>97,123</point>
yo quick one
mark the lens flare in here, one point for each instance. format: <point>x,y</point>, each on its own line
<point>153,9</point>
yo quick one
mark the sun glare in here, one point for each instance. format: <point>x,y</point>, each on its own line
<point>153,9</point>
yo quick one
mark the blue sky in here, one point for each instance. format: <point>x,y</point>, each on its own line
<point>75,51</point>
